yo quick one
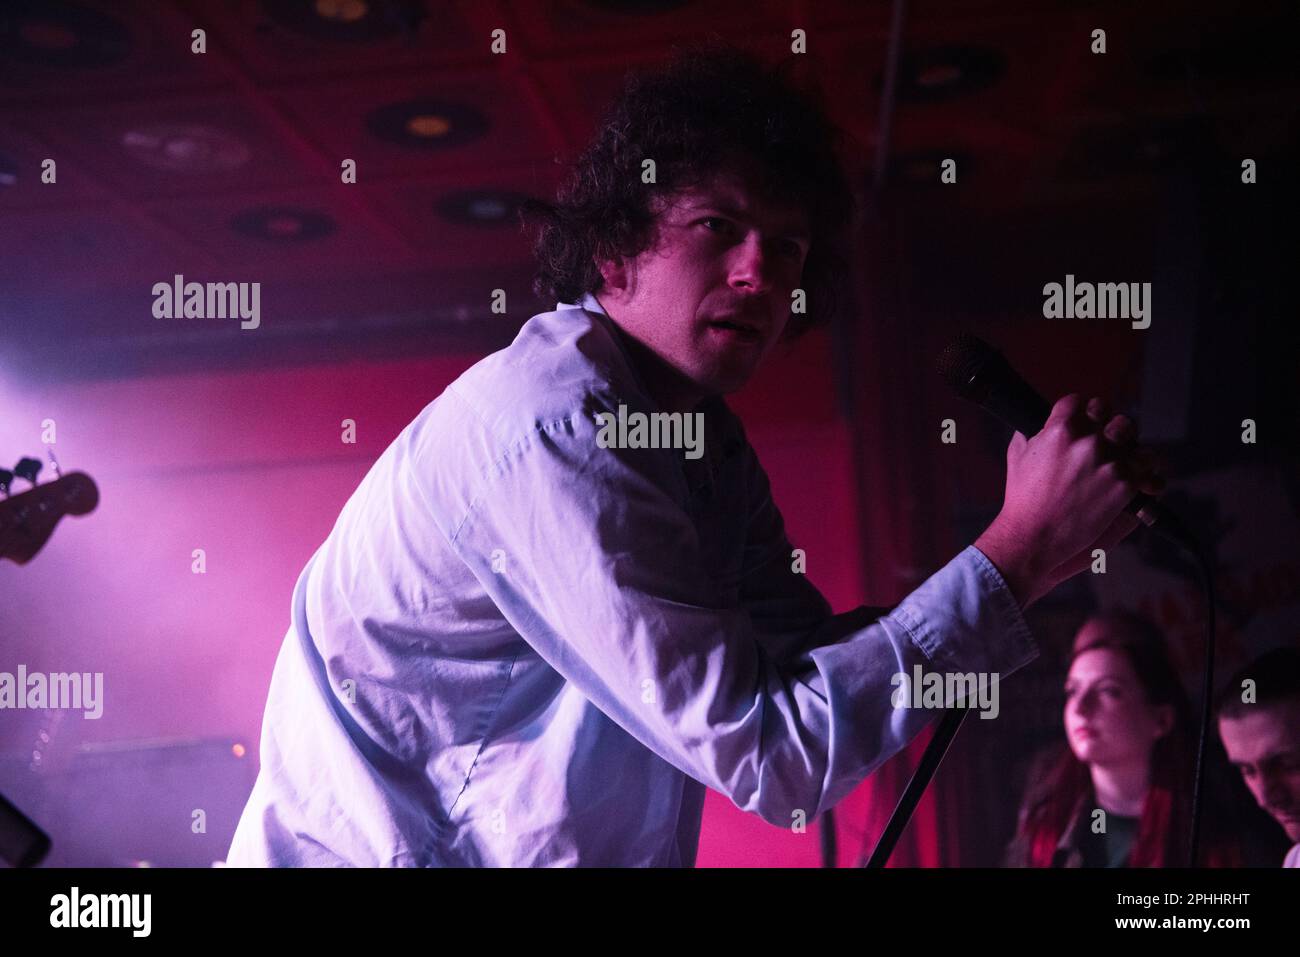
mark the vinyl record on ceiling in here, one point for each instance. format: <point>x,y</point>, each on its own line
<point>480,207</point>
<point>923,168</point>
<point>427,123</point>
<point>59,35</point>
<point>283,224</point>
<point>347,21</point>
<point>947,73</point>
<point>189,148</point>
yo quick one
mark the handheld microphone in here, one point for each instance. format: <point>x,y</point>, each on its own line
<point>979,373</point>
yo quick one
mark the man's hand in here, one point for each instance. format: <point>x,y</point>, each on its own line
<point>1065,496</point>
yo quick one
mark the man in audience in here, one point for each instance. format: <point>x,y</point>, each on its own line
<point>1259,722</point>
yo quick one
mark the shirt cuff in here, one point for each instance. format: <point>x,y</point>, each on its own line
<point>965,618</point>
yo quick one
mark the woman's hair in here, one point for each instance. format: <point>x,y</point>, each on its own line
<point>709,104</point>
<point>1161,839</point>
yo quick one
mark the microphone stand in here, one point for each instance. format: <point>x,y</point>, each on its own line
<point>22,843</point>
<point>949,724</point>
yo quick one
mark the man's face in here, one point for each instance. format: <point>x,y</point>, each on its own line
<point>713,297</point>
<point>1264,745</point>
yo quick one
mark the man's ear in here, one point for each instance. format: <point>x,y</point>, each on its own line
<point>1165,719</point>
<point>617,273</point>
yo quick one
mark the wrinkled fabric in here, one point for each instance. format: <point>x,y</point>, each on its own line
<point>518,648</point>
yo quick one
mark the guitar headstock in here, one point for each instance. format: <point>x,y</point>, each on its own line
<point>27,519</point>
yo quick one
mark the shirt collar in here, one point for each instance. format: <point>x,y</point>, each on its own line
<point>591,304</point>
<point>588,302</point>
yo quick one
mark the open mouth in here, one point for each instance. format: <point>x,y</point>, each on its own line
<point>737,331</point>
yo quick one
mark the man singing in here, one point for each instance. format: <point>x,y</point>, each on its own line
<point>526,645</point>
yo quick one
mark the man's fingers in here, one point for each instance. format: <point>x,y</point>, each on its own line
<point>1141,467</point>
<point>1149,471</point>
<point>1118,530</point>
<point>1016,447</point>
<point>1098,409</point>
<point>1067,408</point>
<point>1120,431</point>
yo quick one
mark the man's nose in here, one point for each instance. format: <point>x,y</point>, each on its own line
<point>752,267</point>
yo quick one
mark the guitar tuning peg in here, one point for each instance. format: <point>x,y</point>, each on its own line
<point>5,478</point>
<point>28,469</point>
<point>54,464</point>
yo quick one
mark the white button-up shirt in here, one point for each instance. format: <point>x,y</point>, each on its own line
<point>518,647</point>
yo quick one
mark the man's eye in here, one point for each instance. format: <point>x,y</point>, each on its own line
<point>714,219</point>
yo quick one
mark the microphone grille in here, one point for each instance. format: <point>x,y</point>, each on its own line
<point>962,358</point>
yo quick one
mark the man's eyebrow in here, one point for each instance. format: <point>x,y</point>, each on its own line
<point>722,206</point>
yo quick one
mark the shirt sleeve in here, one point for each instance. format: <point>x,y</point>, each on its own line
<point>782,602</point>
<point>602,576</point>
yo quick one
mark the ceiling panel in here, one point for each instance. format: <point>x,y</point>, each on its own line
<point>224,166</point>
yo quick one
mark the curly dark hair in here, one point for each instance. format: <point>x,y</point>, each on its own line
<point>710,103</point>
